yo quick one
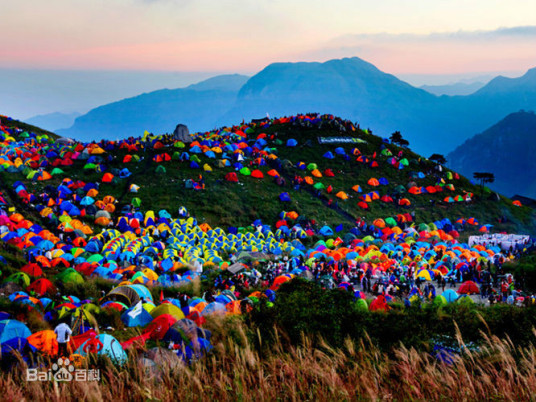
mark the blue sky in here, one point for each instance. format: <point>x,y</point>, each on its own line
<point>426,41</point>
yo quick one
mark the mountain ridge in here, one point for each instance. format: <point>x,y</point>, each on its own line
<point>349,87</point>
<point>505,149</point>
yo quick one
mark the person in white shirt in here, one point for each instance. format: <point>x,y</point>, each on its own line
<point>63,333</point>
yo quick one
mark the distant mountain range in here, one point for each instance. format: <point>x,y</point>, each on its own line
<point>350,87</point>
<point>507,150</point>
<point>53,121</point>
<point>458,88</point>
<point>197,106</point>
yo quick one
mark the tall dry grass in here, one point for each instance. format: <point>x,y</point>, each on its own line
<point>237,371</point>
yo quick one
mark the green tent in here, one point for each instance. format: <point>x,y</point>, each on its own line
<point>70,276</point>
<point>312,166</point>
<point>136,202</point>
<point>161,169</point>
<point>440,301</point>
<point>30,175</point>
<point>19,278</point>
<point>404,162</point>
<point>400,189</point>
<point>319,186</point>
<point>423,227</point>
<point>245,171</point>
<point>361,305</point>
<point>56,171</point>
<point>390,222</point>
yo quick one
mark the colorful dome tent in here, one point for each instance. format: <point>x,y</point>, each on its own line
<point>70,275</point>
<point>136,316</point>
<point>11,329</point>
<point>232,177</point>
<point>284,197</point>
<point>450,295</point>
<point>44,341</point>
<point>468,288</point>
<point>108,346</point>
<point>129,295</point>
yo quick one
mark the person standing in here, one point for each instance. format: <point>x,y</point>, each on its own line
<point>63,333</point>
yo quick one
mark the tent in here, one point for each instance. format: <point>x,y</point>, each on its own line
<point>10,329</point>
<point>108,346</point>
<point>468,288</point>
<point>136,316</point>
<point>257,174</point>
<point>326,231</point>
<point>285,197</point>
<point>232,177</point>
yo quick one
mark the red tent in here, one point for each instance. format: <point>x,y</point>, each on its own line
<point>42,286</point>
<point>468,288</point>
<point>379,304</point>
<point>257,174</point>
<point>231,176</point>
<point>329,173</point>
<point>32,270</point>
<point>158,327</point>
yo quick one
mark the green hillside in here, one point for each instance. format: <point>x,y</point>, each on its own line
<point>224,203</point>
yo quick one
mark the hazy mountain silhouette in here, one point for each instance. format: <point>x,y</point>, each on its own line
<point>458,88</point>
<point>198,106</point>
<point>506,149</point>
<point>53,121</point>
<point>351,88</point>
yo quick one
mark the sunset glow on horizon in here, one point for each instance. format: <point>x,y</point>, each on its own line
<point>433,37</point>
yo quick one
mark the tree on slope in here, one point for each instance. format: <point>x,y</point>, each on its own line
<point>483,178</point>
<point>397,139</point>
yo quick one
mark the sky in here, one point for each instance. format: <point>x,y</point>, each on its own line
<point>426,41</point>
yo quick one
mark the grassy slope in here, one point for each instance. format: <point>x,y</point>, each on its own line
<point>11,123</point>
<point>229,204</point>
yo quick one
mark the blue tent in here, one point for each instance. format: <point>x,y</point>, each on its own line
<point>383,181</point>
<point>340,151</point>
<point>450,295</point>
<point>111,348</point>
<point>292,142</point>
<point>328,155</point>
<point>133,318</point>
<point>285,197</point>
<point>326,231</point>
<point>10,329</point>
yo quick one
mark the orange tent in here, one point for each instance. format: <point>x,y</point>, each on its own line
<point>44,341</point>
<point>273,173</point>
<point>342,195</point>
<point>205,227</point>
<point>373,182</point>
<point>316,173</point>
<point>92,193</point>
<point>292,215</point>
